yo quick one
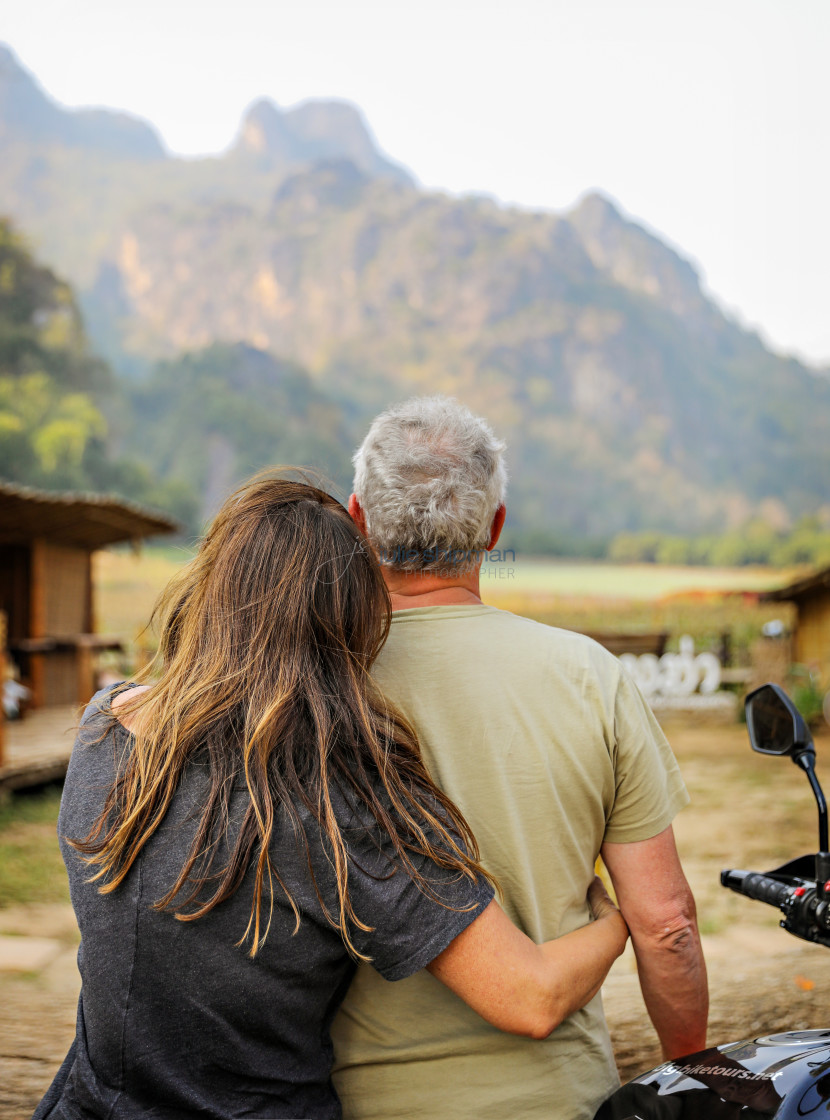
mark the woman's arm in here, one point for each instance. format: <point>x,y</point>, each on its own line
<point>525,988</point>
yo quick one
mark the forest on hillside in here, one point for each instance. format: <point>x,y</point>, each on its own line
<point>179,439</point>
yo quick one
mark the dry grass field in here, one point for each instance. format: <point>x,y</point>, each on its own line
<point>539,578</point>
<point>584,595</point>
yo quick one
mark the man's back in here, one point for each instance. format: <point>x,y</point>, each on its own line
<point>540,738</point>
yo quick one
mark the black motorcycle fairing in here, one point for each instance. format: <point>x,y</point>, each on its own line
<point>640,1102</point>
<point>781,1076</point>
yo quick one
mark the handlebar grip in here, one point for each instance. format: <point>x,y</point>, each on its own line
<point>755,885</point>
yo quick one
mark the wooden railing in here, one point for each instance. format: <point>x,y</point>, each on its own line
<point>82,647</point>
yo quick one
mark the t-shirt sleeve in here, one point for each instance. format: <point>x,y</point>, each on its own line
<point>410,926</point>
<point>649,790</point>
<point>100,703</point>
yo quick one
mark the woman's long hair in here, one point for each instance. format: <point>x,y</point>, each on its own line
<point>266,641</point>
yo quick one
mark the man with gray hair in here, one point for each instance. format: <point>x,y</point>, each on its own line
<point>541,738</point>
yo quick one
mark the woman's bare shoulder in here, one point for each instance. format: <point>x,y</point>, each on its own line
<point>128,694</point>
<point>125,697</point>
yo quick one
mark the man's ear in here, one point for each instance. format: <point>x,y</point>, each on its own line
<point>495,529</point>
<point>356,513</point>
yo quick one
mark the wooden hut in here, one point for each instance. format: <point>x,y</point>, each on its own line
<point>811,641</point>
<point>46,594</point>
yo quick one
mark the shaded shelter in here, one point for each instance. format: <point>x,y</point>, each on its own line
<point>811,640</point>
<point>46,544</point>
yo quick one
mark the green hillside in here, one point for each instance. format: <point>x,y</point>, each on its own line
<point>51,427</point>
<point>180,438</point>
<point>213,417</point>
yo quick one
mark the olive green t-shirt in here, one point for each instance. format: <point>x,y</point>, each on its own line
<point>549,749</point>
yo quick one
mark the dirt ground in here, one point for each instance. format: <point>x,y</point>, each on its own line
<point>747,811</point>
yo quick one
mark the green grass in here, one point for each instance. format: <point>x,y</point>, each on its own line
<point>31,868</point>
<point>528,576</point>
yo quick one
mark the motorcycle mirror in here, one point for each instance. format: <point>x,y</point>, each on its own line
<point>776,727</point>
<point>774,723</point>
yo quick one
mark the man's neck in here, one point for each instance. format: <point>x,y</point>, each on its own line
<point>423,589</point>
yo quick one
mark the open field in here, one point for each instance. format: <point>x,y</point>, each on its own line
<point>127,584</point>
<point>527,577</point>
<point>703,602</point>
<point>594,597</point>
<point>747,811</point>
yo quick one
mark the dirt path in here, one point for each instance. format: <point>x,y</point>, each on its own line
<point>37,1002</point>
<point>745,812</point>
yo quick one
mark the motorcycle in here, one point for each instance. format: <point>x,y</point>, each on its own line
<point>782,1075</point>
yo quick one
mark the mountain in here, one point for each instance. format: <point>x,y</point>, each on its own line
<point>587,339</point>
<point>102,166</point>
<point>30,117</point>
<point>638,261</point>
<point>629,400</point>
<point>309,133</point>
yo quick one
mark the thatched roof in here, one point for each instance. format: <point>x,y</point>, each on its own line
<point>81,520</point>
<point>807,585</point>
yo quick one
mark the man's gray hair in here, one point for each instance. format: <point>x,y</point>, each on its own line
<point>430,477</point>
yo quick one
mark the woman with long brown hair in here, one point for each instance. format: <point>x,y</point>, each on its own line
<point>240,831</point>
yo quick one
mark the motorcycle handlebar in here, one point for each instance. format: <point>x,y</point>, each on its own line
<point>755,885</point>
<point>803,902</point>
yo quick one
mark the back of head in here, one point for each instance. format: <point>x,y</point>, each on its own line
<point>430,477</point>
<point>282,582</point>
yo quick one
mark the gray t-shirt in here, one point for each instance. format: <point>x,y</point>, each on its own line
<point>174,1018</point>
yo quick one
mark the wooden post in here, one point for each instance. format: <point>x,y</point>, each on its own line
<point>37,618</point>
<point>86,683</point>
<point>86,660</point>
<point>90,620</point>
<point>2,682</point>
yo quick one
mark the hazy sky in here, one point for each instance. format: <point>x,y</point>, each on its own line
<point>706,119</point>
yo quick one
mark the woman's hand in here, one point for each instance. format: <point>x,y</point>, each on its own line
<point>604,907</point>
<point>599,899</point>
